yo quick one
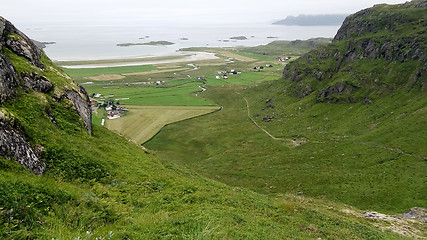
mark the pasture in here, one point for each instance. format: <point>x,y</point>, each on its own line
<point>143,122</point>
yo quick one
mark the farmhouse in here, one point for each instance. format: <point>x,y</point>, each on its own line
<point>113,114</point>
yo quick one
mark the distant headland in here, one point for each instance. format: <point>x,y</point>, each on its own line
<point>313,20</point>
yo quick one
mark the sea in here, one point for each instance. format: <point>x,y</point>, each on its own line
<point>93,42</point>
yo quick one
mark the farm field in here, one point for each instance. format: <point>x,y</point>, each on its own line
<point>160,94</point>
<point>143,122</point>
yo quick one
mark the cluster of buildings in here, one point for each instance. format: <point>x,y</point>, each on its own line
<point>111,106</point>
<point>283,59</point>
<point>223,74</point>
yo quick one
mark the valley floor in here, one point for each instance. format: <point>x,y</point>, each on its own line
<point>261,139</point>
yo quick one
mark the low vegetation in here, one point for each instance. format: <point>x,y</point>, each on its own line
<point>143,122</point>
<point>270,164</point>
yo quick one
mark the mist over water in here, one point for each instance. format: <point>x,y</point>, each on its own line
<point>100,42</point>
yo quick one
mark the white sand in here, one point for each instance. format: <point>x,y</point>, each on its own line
<point>193,56</point>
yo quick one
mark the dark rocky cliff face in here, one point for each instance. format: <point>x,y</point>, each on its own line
<point>18,80</point>
<point>367,52</point>
<point>8,79</point>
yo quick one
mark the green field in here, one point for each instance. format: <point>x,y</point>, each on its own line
<point>230,145</point>
<point>143,122</point>
<point>352,160</point>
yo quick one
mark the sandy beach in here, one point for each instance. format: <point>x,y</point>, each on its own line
<point>181,57</point>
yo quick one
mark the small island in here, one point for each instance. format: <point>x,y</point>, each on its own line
<point>239,38</point>
<point>152,43</point>
<point>42,44</point>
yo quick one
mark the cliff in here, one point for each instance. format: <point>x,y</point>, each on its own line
<point>376,51</point>
<point>26,72</point>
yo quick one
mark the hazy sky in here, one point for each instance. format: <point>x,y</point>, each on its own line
<point>107,12</point>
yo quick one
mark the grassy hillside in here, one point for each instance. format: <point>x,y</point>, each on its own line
<point>104,186</point>
<point>269,165</point>
<point>101,186</point>
<point>372,157</point>
<point>347,122</point>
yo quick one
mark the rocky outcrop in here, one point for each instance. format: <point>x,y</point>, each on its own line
<point>14,146</point>
<point>385,33</point>
<point>82,106</point>
<point>8,79</point>
<point>364,22</point>
<point>19,43</point>
<point>416,213</point>
<point>36,82</point>
<point>332,94</point>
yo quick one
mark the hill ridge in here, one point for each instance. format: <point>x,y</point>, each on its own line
<point>391,35</point>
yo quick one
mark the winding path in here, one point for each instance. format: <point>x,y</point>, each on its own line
<point>295,143</point>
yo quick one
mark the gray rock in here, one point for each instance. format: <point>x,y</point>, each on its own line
<point>82,106</point>
<point>8,79</point>
<point>19,43</point>
<point>341,88</point>
<point>422,4</point>
<point>36,82</point>
<point>14,146</point>
<point>416,213</point>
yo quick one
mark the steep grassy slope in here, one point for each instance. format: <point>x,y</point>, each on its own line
<point>368,150</point>
<point>94,184</point>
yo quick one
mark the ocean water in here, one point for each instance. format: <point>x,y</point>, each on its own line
<point>100,42</point>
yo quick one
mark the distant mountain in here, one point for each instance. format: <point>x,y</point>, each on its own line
<point>313,20</point>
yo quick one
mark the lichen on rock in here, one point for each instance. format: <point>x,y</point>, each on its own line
<point>14,146</point>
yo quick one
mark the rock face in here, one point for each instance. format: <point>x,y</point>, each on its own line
<point>82,106</point>
<point>19,43</point>
<point>394,36</point>
<point>36,82</point>
<point>8,79</point>
<point>13,145</point>
<point>340,88</point>
<point>12,141</point>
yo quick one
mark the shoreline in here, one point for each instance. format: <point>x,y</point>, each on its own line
<point>179,56</point>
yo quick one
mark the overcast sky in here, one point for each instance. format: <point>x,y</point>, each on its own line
<point>106,12</point>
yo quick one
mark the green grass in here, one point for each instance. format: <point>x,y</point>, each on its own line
<point>142,122</point>
<point>104,186</point>
<point>355,154</point>
<point>283,48</point>
<point>182,95</point>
